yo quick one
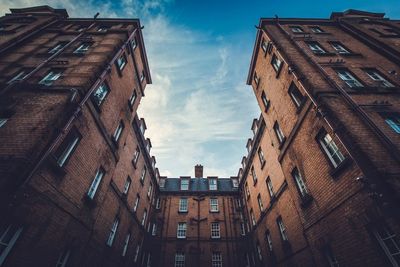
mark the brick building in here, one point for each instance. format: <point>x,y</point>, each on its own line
<point>75,169</point>
<point>318,187</point>
<point>321,180</point>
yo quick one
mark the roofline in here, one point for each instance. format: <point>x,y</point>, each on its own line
<point>254,54</point>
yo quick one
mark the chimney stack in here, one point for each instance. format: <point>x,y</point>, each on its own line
<point>198,171</point>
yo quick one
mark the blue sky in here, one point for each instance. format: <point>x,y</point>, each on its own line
<point>199,108</point>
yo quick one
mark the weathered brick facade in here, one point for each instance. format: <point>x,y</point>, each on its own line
<point>319,186</point>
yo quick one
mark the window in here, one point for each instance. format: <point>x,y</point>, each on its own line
<point>3,121</point>
<point>133,98</point>
<point>126,244</point>
<point>154,229</point>
<point>95,183</point>
<point>212,183</point>
<point>133,43</point>
<point>253,174</point>
<point>214,204</point>
<point>260,203</point>
<point>113,232</point>
<point>100,94</point>
<point>316,48</point>
<point>235,183</point>
<point>142,76</point>
<point>296,29</point>
<point>127,185</point>
<point>330,257</point>
<point>264,100</point>
<point>316,29</point>
<point>67,147</point>
<point>278,132</point>
<point>268,239</point>
<point>19,76</point>
<point>158,203</point>
<point>103,28</point>
<point>184,184</point>
<point>183,204</point>
<point>144,217</point>
<point>246,186</point>
<point>261,156</point>
<point>295,94</point>
<point>50,77</point>
<point>389,243</point>
<point>349,79</point>
<point>179,259</point>
<point>259,251</point>
<point>215,230</point>
<point>136,155</point>
<point>331,149</point>
<point>242,228</point>
<point>58,47</point>
<point>63,259</point>
<point>392,119</point>
<point>378,78</point>
<point>121,62</point>
<point>264,46</point>
<point>341,49</point>
<point>253,219</point>
<point>282,229</point>
<point>181,231</point>
<point>150,190</point>
<point>276,63</point>
<point>301,186</point>
<point>80,28</point>
<point>256,78</point>
<point>136,253</point>
<point>135,206</point>
<point>270,187</point>
<point>8,236</point>
<point>118,131</point>
<point>143,175</point>
<point>216,259</point>
<point>83,48</point>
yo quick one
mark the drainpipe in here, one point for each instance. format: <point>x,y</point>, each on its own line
<point>76,113</point>
<point>198,220</point>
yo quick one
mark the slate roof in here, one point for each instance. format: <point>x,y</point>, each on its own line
<point>198,185</point>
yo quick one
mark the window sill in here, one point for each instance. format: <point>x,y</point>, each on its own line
<point>255,182</point>
<point>300,107</point>
<point>263,164</point>
<point>213,238</point>
<point>350,54</point>
<point>214,211</point>
<point>327,54</point>
<point>59,170</point>
<point>282,143</point>
<point>266,107</point>
<point>182,212</point>
<point>134,164</point>
<point>306,200</point>
<point>335,172</point>
<point>181,238</point>
<point>91,202</point>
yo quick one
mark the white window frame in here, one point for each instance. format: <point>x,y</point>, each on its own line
<point>3,121</point>
<point>254,175</point>
<point>270,187</point>
<point>143,174</point>
<point>50,77</point>
<point>18,77</point>
<point>212,184</point>
<point>8,244</point>
<point>296,29</point>
<point>278,132</point>
<point>260,204</point>
<point>154,229</point>
<point>259,251</point>
<point>133,97</point>
<point>144,217</point>
<point>158,203</point>
<point>58,47</point>
<point>181,230</point>
<point>276,63</point>
<point>252,217</point>
<point>215,230</point>
<point>179,259</point>
<point>282,230</point>
<point>121,62</point>
<point>214,204</point>
<point>126,244</point>
<point>136,253</point>
<point>113,232</point>
<point>216,259</point>
<point>242,228</point>
<point>340,48</point>
<point>183,204</point>
<point>377,77</point>
<point>100,94</point>
<point>393,120</point>
<point>246,187</point>
<point>316,29</point>
<point>136,155</point>
<point>127,185</point>
<point>184,184</point>
<point>118,131</point>
<point>300,184</point>
<point>136,205</point>
<point>95,183</point>
<point>66,153</point>
<point>316,48</point>
<point>63,258</point>
<point>384,236</point>
<point>331,149</point>
<point>295,93</point>
<point>150,190</point>
<point>269,240</point>
<point>83,48</point>
<point>349,79</point>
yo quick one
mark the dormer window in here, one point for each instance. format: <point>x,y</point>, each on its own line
<point>235,183</point>
<point>103,28</point>
<point>316,29</point>
<point>185,184</point>
<point>296,29</point>
<point>83,48</point>
<point>212,183</point>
